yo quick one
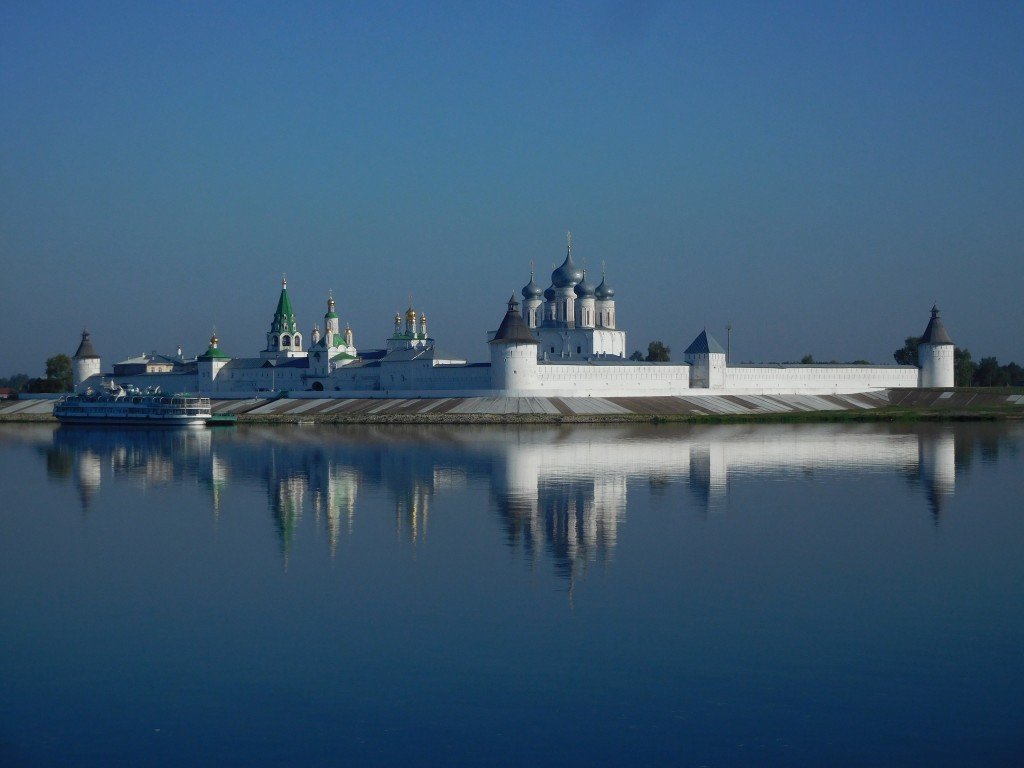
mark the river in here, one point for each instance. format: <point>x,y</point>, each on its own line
<point>594,595</point>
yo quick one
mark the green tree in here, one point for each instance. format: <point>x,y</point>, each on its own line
<point>637,355</point>
<point>17,382</point>
<point>37,386</point>
<point>1015,374</point>
<point>963,367</point>
<point>907,354</point>
<point>657,352</point>
<point>807,360</point>
<point>60,369</point>
<point>990,374</point>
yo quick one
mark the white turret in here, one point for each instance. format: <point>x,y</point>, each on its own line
<point>533,301</point>
<point>605,304</point>
<point>209,365</point>
<point>332,349</point>
<point>586,309</point>
<point>707,362</point>
<point>514,355</point>
<point>86,362</point>
<point>332,326</point>
<point>564,280</point>
<point>935,355</point>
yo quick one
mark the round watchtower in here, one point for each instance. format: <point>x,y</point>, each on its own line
<point>935,355</point>
<point>86,362</point>
<point>514,354</point>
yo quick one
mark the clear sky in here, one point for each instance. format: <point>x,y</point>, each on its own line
<point>817,174</point>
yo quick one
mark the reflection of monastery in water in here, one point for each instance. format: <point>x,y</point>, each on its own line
<point>560,493</point>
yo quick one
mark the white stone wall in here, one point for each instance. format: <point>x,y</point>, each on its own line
<point>618,380</point>
<point>780,379</point>
<point>575,344</point>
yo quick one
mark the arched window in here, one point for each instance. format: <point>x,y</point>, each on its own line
<point>273,341</point>
<point>286,341</point>
<point>318,387</point>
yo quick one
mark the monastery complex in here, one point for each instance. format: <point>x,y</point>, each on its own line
<point>563,341</point>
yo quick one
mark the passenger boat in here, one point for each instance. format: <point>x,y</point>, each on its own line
<point>119,406</point>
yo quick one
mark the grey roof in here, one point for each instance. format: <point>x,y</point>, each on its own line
<point>568,274</point>
<point>584,287</point>
<point>405,355</point>
<point>247,363</point>
<point>513,329</point>
<point>85,350</point>
<point>704,344</point>
<point>604,291</point>
<point>935,333</point>
<point>531,290</point>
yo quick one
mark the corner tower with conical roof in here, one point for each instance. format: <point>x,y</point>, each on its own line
<point>514,354</point>
<point>86,362</point>
<point>284,338</point>
<point>935,355</point>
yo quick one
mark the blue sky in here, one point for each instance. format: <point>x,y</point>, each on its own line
<point>815,174</point>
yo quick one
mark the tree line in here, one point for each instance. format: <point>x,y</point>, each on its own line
<point>987,372</point>
<point>60,377</point>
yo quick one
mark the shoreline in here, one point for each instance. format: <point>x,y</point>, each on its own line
<point>909,405</point>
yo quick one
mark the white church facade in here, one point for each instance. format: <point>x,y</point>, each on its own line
<point>560,342</point>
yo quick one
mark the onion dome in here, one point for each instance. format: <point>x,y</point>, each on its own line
<point>531,290</point>
<point>214,349</point>
<point>568,274</point>
<point>584,288</point>
<point>604,291</point>
<point>330,307</point>
<point>549,294</point>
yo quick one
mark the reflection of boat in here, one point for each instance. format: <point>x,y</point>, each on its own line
<point>130,406</point>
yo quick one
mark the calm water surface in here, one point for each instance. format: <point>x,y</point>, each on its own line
<point>742,595</point>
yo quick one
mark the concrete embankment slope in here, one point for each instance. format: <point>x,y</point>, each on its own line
<point>542,408</point>
<point>933,402</point>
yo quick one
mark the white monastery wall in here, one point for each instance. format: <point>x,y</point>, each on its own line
<point>814,378</point>
<point>611,380</point>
